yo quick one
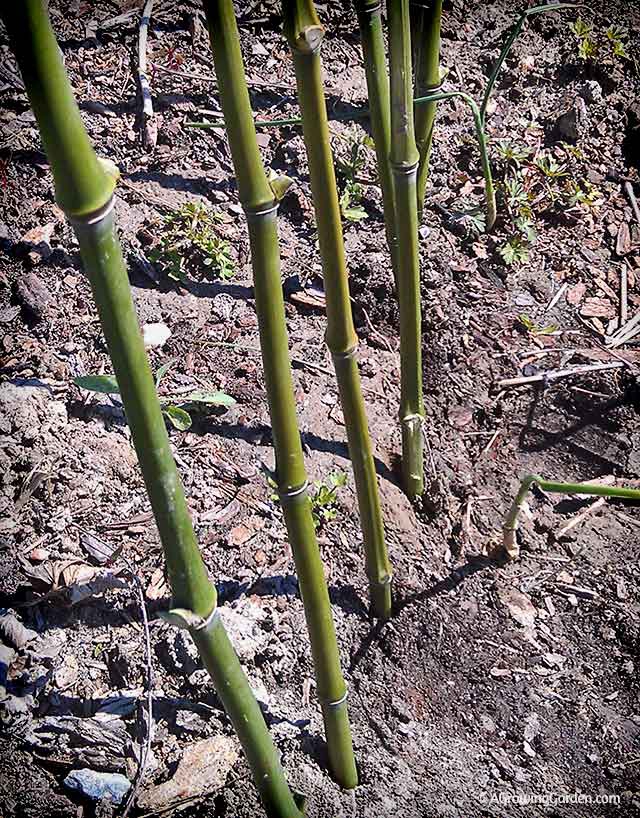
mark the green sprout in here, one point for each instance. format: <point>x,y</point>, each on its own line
<point>514,251</point>
<point>179,416</point>
<point>592,45</point>
<point>534,328</point>
<point>189,241</point>
<point>512,153</point>
<point>324,499</point>
<point>350,166</point>
<point>550,167</point>
<point>581,192</point>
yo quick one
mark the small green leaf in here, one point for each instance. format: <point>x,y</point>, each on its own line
<point>354,214</point>
<point>280,185</point>
<point>210,398</point>
<point>106,384</point>
<point>162,370</point>
<point>178,418</point>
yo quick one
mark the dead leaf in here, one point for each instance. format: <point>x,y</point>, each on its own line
<point>72,579</point>
<point>597,308</point>
<point>519,606</point>
<point>157,587</point>
<point>460,416</point>
<point>623,240</point>
<point>575,294</point>
<point>242,533</point>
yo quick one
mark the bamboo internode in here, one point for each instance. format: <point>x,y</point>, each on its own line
<point>404,159</point>
<point>305,34</point>
<point>84,190</point>
<point>425,31</point>
<point>260,205</point>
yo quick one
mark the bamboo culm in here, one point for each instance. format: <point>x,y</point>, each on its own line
<point>84,190</point>
<point>375,64</point>
<point>260,204</point>
<point>305,35</point>
<point>426,36</point>
<point>404,163</point>
<point>510,525</point>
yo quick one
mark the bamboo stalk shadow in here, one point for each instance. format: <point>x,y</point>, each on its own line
<point>249,434</point>
<point>533,438</point>
<point>443,586</point>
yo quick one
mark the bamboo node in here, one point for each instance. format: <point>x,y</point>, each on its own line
<point>187,620</point>
<point>309,40</point>
<point>261,211</point>
<point>287,495</point>
<point>345,354</point>
<point>369,8</point>
<point>337,702</point>
<point>436,88</point>
<point>381,582</point>
<point>400,168</point>
<point>95,216</point>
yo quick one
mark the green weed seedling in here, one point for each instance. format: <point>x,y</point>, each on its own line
<point>513,154</point>
<point>189,241</point>
<point>324,499</point>
<point>535,329</point>
<point>177,409</point>
<point>350,166</point>
<point>594,46</point>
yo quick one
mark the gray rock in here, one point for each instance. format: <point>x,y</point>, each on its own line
<point>13,631</point>
<point>573,123</point>
<point>96,786</point>
<point>590,91</point>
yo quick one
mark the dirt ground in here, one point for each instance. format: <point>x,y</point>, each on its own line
<point>492,680</point>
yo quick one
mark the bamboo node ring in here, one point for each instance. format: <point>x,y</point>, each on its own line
<point>346,353</point>
<point>95,216</point>
<point>261,211</point>
<point>209,622</point>
<point>286,495</point>
<point>339,701</point>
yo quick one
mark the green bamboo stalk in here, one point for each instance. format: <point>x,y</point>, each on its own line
<point>489,189</point>
<point>85,191</point>
<point>403,158</point>
<point>305,35</point>
<point>375,63</point>
<point>260,205</point>
<point>490,196</point>
<point>510,525</point>
<point>425,29</point>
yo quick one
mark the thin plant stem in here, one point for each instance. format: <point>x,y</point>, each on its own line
<point>425,30</point>
<point>84,190</point>
<point>305,35</point>
<point>508,45</point>
<point>375,63</point>
<point>510,525</point>
<point>259,200</point>
<point>403,158</point>
<point>489,190</point>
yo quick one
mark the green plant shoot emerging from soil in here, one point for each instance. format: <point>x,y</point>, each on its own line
<point>190,241</point>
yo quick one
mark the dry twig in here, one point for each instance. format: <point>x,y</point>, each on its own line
<point>145,748</point>
<point>557,374</point>
<point>149,125</point>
